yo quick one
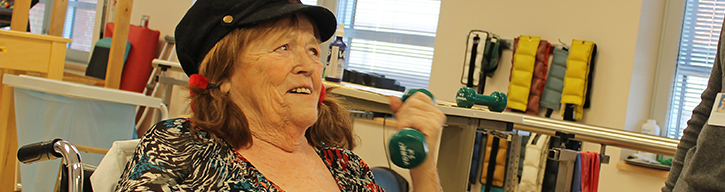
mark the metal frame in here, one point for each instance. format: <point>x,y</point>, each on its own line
<point>512,169</point>
<point>458,136</point>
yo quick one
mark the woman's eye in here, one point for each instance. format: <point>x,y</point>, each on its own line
<point>283,47</point>
<point>314,52</point>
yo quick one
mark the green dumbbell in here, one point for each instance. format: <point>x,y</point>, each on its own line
<point>408,148</point>
<point>467,97</point>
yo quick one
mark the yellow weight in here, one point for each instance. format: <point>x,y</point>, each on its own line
<point>576,78</point>
<point>522,71</point>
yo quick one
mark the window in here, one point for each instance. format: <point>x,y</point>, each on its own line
<point>701,25</point>
<point>391,37</point>
<point>309,2</point>
<point>79,24</point>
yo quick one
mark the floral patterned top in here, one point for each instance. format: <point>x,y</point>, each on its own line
<point>169,159</point>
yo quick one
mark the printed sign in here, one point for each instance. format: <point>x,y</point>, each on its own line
<point>717,116</point>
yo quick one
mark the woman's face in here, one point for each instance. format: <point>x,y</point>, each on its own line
<point>280,76</point>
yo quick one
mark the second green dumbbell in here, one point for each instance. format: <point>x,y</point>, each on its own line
<point>467,97</point>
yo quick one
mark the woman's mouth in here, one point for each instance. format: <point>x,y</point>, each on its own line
<point>300,90</point>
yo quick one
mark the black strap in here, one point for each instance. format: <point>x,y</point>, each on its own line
<point>472,63</point>
<point>535,139</point>
<point>587,101</point>
<point>492,164</point>
<point>549,112</point>
<point>569,112</point>
<point>482,78</point>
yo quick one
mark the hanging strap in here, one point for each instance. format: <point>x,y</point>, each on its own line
<point>551,96</point>
<point>475,45</point>
<point>587,101</point>
<point>491,163</point>
<point>522,71</point>
<point>489,64</point>
<point>472,61</point>
<point>493,53</point>
<point>539,77</point>
<point>576,78</point>
<point>478,149</point>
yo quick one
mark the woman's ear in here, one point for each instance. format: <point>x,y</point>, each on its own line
<point>225,87</point>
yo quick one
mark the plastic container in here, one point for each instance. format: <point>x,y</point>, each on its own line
<point>336,57</point>
<point>650,128</point>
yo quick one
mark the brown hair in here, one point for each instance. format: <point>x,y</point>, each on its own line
<point>215,112</point>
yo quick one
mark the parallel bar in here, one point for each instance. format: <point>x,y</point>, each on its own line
<point>603,135</point>
<point>614,137</point>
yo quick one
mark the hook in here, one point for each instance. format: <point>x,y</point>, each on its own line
<point>563,44</point>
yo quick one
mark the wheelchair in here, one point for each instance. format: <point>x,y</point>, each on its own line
<point>76,178</point>
<point>72,179</point>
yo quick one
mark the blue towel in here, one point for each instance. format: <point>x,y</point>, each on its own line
<point>576,180</point>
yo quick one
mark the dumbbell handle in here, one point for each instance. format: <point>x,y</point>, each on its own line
<point>467,97</point>
<point>407,147</point>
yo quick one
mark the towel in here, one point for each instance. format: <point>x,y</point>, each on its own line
<point>576,180</point>
<point>589,171</point>
<point>109,171</point>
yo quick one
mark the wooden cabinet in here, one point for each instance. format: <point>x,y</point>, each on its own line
<point>32,52</point>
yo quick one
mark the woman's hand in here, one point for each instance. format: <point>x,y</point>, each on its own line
<point>420,113</point>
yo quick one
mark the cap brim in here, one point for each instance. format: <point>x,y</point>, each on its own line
<point>323,18</point>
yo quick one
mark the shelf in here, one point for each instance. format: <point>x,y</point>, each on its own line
<point>642,170</point>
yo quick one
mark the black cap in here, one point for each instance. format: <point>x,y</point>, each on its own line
<point>208,21</point>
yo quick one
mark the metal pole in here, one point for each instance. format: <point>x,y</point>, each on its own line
<point>72,159</point>
<point>602,135</point>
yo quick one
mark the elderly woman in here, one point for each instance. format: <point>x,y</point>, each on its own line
<point>260,119</point>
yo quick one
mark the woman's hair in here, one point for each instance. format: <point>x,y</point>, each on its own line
<point>215,112</point>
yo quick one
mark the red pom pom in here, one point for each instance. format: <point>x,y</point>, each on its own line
<point>322,93</point>
<point>199,81</point>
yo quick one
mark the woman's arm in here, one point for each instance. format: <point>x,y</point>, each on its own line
<point>419,112</point>
<point>699,118</point>
<point>161,160</point>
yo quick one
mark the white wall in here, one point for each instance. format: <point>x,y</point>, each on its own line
<point>626,33</point>
<point>164,15</point>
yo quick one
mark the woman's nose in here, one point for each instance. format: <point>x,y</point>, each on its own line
<point>304,64</point>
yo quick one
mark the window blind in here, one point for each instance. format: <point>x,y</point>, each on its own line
<point>391,37</point>
<point>698,46</point>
